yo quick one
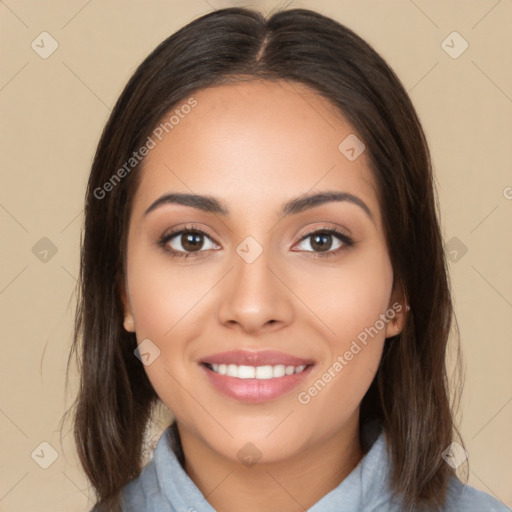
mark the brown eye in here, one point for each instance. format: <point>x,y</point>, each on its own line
<point>322,241</point>
<point>187,241</point>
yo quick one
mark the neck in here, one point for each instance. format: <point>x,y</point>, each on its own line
<point>283,486</point>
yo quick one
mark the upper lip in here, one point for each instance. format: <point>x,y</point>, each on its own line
<point>258,358</point>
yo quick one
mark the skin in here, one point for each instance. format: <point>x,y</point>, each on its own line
<point>255,145</point>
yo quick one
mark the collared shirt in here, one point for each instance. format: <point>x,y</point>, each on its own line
<point>164,486</point>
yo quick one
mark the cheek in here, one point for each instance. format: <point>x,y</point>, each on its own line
<point>350,297</point>
<point>163,295</point>
<point>168,307</point>
<point>334,395</point>
<point>348,307</point>
<point>163,309</point>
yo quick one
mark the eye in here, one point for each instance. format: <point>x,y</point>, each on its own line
<point>186,241</point>
<point>321,242</point>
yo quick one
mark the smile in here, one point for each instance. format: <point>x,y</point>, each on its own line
<point>255,384</point>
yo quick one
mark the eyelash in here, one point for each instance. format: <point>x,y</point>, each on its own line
<point>347,241</point>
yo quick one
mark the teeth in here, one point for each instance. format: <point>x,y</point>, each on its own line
<point>279,370</point>
<point>256,372</point>
<point>245,372</point>
<point>264,372</point>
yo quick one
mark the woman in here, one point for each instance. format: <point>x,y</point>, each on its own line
<point>262,254</point>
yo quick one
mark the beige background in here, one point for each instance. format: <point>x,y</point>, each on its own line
<point>53,111</point>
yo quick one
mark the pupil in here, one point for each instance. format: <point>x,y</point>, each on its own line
<point>319,245</point>
<point>193,241</point>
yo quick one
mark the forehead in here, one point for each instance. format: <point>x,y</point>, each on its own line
<point>254,143</point>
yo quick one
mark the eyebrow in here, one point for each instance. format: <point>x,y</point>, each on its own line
<point>293,206</point>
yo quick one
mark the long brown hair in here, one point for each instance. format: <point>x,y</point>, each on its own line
<point>410,394</point>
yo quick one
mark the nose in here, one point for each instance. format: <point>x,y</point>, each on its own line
<point>255,296</point>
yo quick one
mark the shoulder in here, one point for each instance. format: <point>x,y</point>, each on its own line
<point>462,496</point>
<point>136,494</point>
<point>139,493</point>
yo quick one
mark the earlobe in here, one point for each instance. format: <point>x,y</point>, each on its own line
<point>128,322</point>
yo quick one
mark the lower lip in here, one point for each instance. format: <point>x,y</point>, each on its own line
<point>255,390</point>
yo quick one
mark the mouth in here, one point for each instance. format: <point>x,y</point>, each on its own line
<point>255,377</point>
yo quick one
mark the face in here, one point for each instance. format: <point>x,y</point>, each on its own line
<point>312,282</point>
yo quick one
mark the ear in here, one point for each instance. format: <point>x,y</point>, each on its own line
<point>128,322</point>
<point>397,310</point>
